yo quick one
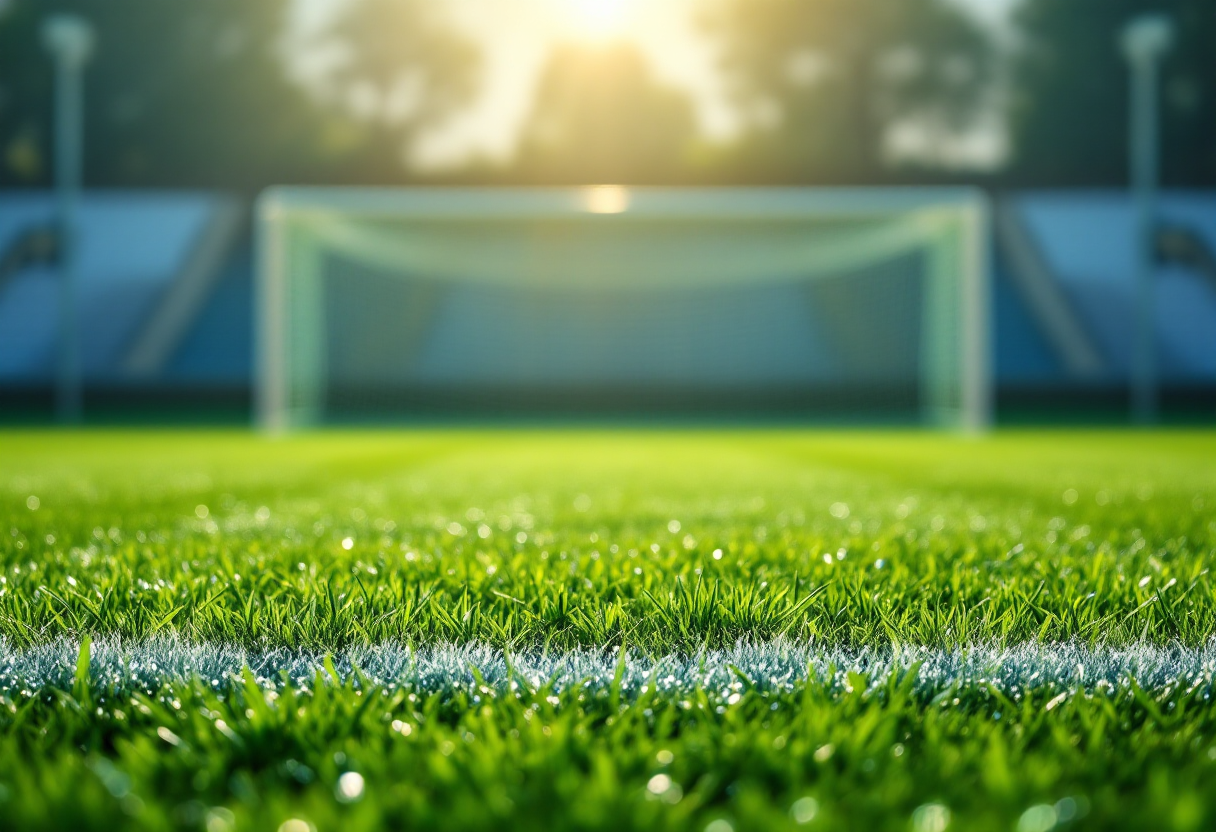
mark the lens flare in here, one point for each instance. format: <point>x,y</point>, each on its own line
<point>606,199</point>
<point>599,19</point>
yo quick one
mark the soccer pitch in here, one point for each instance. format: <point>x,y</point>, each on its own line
<point>706,630</point>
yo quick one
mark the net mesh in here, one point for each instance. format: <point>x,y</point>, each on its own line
<point>382,313</point>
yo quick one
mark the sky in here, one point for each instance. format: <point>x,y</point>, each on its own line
<point>516,36</point>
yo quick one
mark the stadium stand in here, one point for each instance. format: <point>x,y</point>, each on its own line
<point>167,301</point>
<point>165,283</point>
<point>1065,296</point>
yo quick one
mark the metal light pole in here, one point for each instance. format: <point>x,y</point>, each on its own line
<point>69,39</point>
<point>1145,41</point>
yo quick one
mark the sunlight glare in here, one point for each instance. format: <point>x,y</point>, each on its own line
<point>606,199</point>
<point>599,19</point>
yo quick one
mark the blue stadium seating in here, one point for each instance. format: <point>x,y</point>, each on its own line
<point>135,247</point>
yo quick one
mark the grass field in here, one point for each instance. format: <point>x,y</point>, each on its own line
<point>607,630</point>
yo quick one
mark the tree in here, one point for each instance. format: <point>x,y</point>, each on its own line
<point>183,93</point>
<point>198,93</point>
<point>401,68</point>
<point>1070,92</point>
<point>823,84</point>
<point>600,116</point>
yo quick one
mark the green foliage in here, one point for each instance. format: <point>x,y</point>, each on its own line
<point>1069,63</point>
<point>397,47</point>
<point>401,67</point>
<point>200,93</point>
<point>176,92</point>
<point>825,83</point>
<point>600,116</point>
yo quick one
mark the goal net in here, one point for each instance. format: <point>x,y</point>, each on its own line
<point>380,305</point>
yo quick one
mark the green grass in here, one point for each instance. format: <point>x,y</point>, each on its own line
<point>661,543</point>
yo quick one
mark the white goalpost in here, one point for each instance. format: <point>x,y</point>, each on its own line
<point>843,304</point>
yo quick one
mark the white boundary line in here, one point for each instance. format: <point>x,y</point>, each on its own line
<point>774,667</point>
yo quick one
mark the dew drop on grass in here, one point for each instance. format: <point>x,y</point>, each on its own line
<point>719,825</point>
<point>658,784</point>
<point>931,817</point>
<point>32,503</point>
<point>220,819</point>
<point>1040,818</point>
<point>804,810</point>
<point>296,825</point>
<point>1067,809</point>
<point>350,787</point>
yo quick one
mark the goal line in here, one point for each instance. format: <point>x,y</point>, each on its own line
<point>776,667</point>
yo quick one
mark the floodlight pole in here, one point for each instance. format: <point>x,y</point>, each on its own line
<point>69,39</point>
<point>1145,41</point>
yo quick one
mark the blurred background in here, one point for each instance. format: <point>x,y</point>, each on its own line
<point>192,108</point>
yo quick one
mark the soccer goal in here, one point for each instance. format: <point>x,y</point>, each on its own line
<point>837,305</point>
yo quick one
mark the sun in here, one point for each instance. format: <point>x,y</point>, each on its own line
<point>599,19</point>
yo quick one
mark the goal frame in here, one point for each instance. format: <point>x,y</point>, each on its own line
<point>960,214</point>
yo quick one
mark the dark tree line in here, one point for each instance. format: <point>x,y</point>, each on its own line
<point>1069,111</point>
<point>177,93</point>
<point>200,92</point>
<point>825,83</point>
<point>203,93</point>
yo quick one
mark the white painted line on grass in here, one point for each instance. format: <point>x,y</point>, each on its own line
<point>777,666</point>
